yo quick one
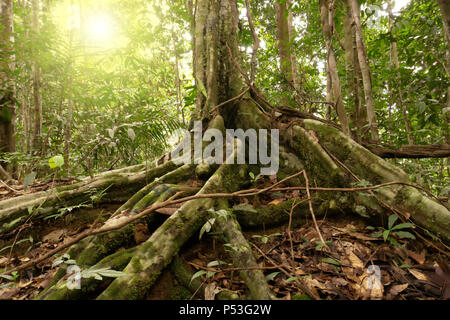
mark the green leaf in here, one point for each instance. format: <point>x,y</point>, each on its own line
<point>331,261</point>
<point>252,175</point>
<point>376,234</point>
<point>291,279</point>
<point>386,234</point>
<point>403,226</point>
<point>207,227</point>
<point>56,162</point>
<point>272,275</point>
<point>391,220</point>
<point>198,274</point>
<point>213,264</point>
<point>405,234</point>
<point>7,277</point>
<point>201,87</point>
<point>29,179</point>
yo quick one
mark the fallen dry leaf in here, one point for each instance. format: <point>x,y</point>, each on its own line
<point>419,275</point>
<point>211,290</point>
<point>276,202</point>
<point>418,257</point>
<point>395,290</point>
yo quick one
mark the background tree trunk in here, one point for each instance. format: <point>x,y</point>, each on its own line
<point>444,7</point>
<point>332,67</point>
<point>365,70</point>
<point>37,98</point>
<point>7,87</point>
<point>396,65</point>
<point>288,63</point>
<point>353,73</point>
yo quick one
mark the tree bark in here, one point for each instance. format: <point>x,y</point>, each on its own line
<point>415,152</point>
<point>37,98</point>
<point>444,7</point>
<point>365,70</point>
<point>353,73</point>
<point>7,87</point>
<point>288,63</point>
<point>396,65</point>
<point>332,67</point>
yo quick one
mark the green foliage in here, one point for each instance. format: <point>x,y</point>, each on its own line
<point>393,231</point>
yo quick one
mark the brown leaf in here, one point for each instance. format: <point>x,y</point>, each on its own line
<point>418,257</point>
<point>276,202</point>
<point>419,275</point>
<point>395,290</point>
<point>211,290</point>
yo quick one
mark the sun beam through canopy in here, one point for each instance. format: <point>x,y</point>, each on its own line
<point>100,27</point>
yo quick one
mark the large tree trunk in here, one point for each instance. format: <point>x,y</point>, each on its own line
<point>332,67</point>
<point>7,89</point>
<point>365,70</point>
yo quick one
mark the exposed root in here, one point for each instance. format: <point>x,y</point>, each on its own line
<point>108,188</point>
<point>157,252</point>
<point>239,249</point>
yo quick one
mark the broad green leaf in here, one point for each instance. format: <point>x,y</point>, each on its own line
<point>403,226</point>
<point>331,261</point>
<point>272,275</point>
<point>386,234</point>
<point>405,234</point>
<point>56,162</point>
<point>198,274</point>
<point>201,87</point>
<point>391,220</point>
<point>291,279</point>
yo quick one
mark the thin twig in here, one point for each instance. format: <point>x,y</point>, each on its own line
<point>312,210</point>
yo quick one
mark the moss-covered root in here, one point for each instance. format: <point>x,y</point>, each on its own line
<point>157,252</point>
<point>424,211</point>
<point>112,187</point>
<point>242,255</point>
<point>276,215</point>
<point>92,249</point>
<point>175,176</point>
<point>89,286</point>
<point>102,245</point>
<point>183,274</point>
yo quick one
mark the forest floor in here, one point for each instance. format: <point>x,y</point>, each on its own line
<point>409,270</point>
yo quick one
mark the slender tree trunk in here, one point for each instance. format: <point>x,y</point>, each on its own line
<point>353,73</point>
<point>444,7</point>
<point>7,87</point>
<point>396,65</point>
<point>329,95</point>
<point>37,98</point>
<point>288,63</point>
<point>295,78</point>
<point>68,124</point>
<point>332,67</point>
<point>180,108</point>
<point>365,70</point>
